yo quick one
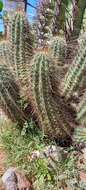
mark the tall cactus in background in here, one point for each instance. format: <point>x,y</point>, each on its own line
<point>75,72</point>
<point>44,19</point>
<point>50,113</point>
<point>58,48</point>
<point>59,17</point>
<point>9,95</point>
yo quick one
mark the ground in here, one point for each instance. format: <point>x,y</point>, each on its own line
<point>16,147</point>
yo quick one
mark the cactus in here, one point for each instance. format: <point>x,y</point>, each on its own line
<point>21,42</point>
<point>58,49</point>
<point>75,73</point>
<point>5,56</point>
<point>44,17</point>
<point>17,58</point>
<point>58,20</point>
<point>81,109</point>
<point>57,52</point>
<point>9,95</point>
<point>50,112</point>
<point>3,48</point>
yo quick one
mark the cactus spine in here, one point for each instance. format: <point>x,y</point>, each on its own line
<point>75,72</point>
<point>49,112</point>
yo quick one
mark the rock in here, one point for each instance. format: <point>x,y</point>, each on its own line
<point>13,179</point>
<point>53,151</point>
<point>10,180</point>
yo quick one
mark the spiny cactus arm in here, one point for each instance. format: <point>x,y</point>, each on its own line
<point>81,110</point>
<point>55,115</point>
<point>79,135</point>
<point>49,112</point>
<point>33,87</point>
<point>11,108</point>
<point>9,95</point>
<point>12,40</point>
<point>37,93</point>
<point>5,53</point>
<point>75,72</point>
<point>40,94</point>
<point>58,48</point>
<point>57,52</point>
<point>21,44</point>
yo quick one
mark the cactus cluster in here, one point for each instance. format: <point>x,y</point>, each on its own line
<point>38,78</point>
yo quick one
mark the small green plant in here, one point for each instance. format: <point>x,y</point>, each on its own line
<point>19,148</point>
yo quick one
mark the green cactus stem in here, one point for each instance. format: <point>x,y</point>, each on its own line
<point>9,95</point>
<point>50,113</point>
<point>75,73</point>
<point>58,49</point>
<point>21,44</point>
<point>81,109</point>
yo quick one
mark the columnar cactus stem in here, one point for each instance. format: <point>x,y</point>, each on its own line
<point>21,44</point>
<point>50,113</point>
<point>9,95</point>
<point>75,72</point>
<point>58,49</point>
<point>81,110</point>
